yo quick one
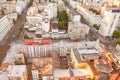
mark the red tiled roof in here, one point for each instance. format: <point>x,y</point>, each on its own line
<point>46,41</point>
<point>37,42</point>
<point>28,41</point>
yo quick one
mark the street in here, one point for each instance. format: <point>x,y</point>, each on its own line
<point>11,35</point>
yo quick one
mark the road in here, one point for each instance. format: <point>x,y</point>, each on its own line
<point>10,37</point>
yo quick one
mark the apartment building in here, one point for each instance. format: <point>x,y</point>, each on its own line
<point>13,16</point>
<point>32,11</point>
<point>34,19</point>
<point>90,18</point>
<point>109,22</point>
<point>37,51</point>
<point>73,3</point>
<point>51,9</point>
<point>38,47</point>
<point>20,5</point>
<point>61,4</point>
<point>76,30</point>
<point>8,7</point>
<point>4,26</point>
<point>38,17</point>
<point>73,74</point>
<point>37,24</point>
<point>75,17</point>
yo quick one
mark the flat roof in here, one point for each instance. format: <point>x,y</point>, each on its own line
<point>75,73</point>
<point>61,73</point>
<point>10,58</point>
<point>91,56</point>
<point>16,70</point>
<point>104,68</point>
<point>87,51</point>
<point>81,72</point>
<point>78,56</point>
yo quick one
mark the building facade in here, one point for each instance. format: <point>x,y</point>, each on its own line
<point>109,23</point>
<point>77,30</point>
<point>4,26</point>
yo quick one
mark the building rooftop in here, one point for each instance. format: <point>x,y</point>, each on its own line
<point>78,56</point>
<point>91,56</point>
<point>43,64</point>
<point>116,58</point>
<point>61,73</point>
<point>37,41</point>
<point>81,72</point>
<point>16,70</point>
<point>11,57</point>
<point>87,51</point>
<point>103,66</point>
<point>75,73</point>
<point>4,65</point>
<point>82,54</point>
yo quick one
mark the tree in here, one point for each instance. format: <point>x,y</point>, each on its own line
<point>96,26</point>
<point>116,34</point>
<point>118,41</point>
<point>62,15</point>
<point>62,19</point>
<point>60,25</point>
<point>94,11</point>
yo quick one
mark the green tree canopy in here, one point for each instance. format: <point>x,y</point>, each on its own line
<point>116,34</point>
<point>118,41</point>
<point>62,15</point>
<point>62,19</point>
<point>96,26</point>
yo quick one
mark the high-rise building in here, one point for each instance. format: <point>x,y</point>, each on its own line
<point>51,9</point>
<point>109,22</point>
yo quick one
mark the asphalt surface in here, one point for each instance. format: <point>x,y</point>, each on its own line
<point>11,35</point>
